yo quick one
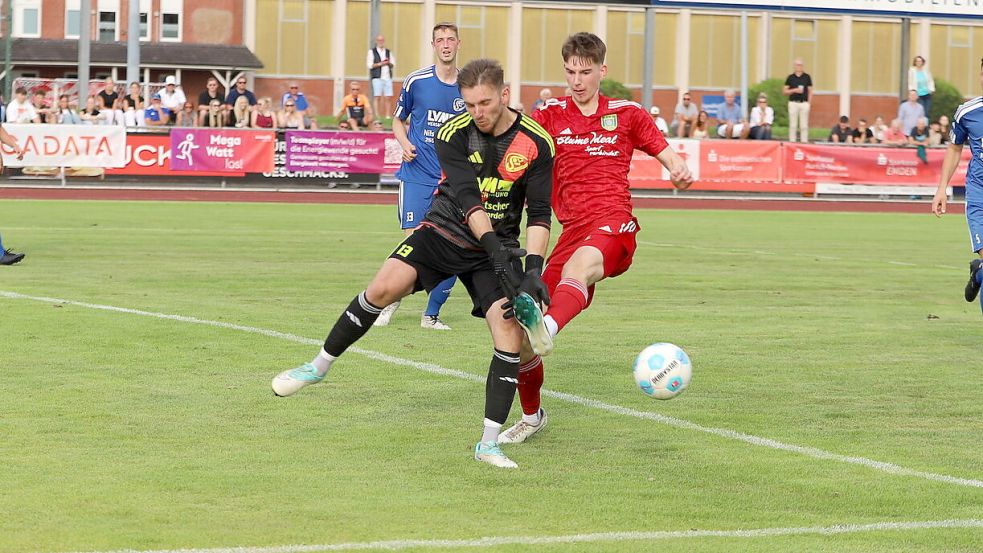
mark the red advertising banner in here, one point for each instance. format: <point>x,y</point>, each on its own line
<point>150,155</point>
<point>222,150</point>
<point>866,165</point>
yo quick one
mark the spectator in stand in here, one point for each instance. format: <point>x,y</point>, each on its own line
<point>732,122</point>
<point>108,93</point>
<point>133,110</point>
<point>310,117</point>
<point>240,90</point>
<point>935,134</point>
<point>683,117</point>
<point>344,126</point>
<point>945,129</point>
<point>294,93</point>
<point>67,115</point>
<point>263,116</point>
<point>798,88</point>
<point>761,120</point>
<point>156,115</point>
<point>894,135</point>
<point>187,116</point>
<point>862,134</point>
<point>290,118</point>
<point>701,127</point>
<point>90,114</point>
<point>660,123</point>
<point>39,101</point>
<point>355,108</point>
<point>841,132</point>
<point>920,134</point>
<point>544,96</point>
<point>19,110</point>
<point>172,97</point>
<point>909,112</point>
<point>241,113</point>
<point>215,116</point>
<point>920,80</point>
<point>380,61</point>
<point>205,99</point>
<point>135,97</point>
<point>879,128</point>
<point>377,125</point>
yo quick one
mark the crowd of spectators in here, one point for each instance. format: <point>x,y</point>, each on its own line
<point>171,107</point>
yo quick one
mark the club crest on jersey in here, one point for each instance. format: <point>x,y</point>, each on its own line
<point>609,122</point>
<point>515,162</point>
<point>458,104</point>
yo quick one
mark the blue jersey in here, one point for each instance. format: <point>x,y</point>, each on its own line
<point>967,126</point>
<point>428,102</point>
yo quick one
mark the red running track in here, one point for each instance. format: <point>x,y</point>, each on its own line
<point>341,197</point>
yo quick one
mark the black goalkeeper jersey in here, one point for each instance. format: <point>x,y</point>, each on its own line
<point>498,174</point>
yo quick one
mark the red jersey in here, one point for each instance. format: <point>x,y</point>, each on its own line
<point>593,154</point>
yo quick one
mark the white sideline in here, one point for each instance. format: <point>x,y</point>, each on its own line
<point>436,369</point>
<point>394,545</point>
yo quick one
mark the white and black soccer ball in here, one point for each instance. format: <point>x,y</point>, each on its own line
<point>662,371</point>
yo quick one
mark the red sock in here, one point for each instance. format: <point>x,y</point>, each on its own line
<point>569,299</point>
<point>530,381</point>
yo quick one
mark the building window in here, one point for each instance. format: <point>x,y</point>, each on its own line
<point>171,12</point>
<point>107,26</point>
<point>27,18</point>
<point>144,29</point>
<point>72,24</point>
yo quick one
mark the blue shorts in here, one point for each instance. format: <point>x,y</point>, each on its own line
<point>974,218</point>
<point>414,202</point>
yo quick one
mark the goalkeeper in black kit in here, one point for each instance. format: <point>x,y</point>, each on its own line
<point>494,161</point>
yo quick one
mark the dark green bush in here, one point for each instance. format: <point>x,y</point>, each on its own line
<point>945,100</point>
<point>613,89</point>
<point>777,100</point>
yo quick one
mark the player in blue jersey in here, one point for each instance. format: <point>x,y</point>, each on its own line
<point>430,97</point>
<point>967,126</point>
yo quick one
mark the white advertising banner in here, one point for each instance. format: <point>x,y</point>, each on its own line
<point>914,8</point>
<point>67,145</point>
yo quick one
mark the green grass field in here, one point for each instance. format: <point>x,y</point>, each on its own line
<point>844,334</point>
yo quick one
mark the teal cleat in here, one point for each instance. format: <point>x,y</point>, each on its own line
<point>290,382</point>
<point>530,318</point>
<point>489,452</point>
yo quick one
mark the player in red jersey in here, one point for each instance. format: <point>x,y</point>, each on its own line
<point>595,137</point>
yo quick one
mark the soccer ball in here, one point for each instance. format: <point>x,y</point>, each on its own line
<point>662,371</point>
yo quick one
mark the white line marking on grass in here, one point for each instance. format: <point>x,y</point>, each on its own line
<point>902,263</point>
<point>394,545</point>
<point>815,453</point>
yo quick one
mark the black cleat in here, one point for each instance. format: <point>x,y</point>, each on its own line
<point>973,287</point>
<point>9,257</point>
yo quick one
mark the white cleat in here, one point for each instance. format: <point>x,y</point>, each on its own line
<point>433,322</point>
<point>290,382</point>
<point>489,452</point>
<point>386,315</point>
<point>522,430</point>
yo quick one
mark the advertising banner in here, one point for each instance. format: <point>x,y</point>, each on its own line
<point>755,160</point>
<point>349,151</point>
<point>865,165</point>
<point>970,9</point>
<point>67,145</point>
<point>150,155</point>
<point>222,150</point>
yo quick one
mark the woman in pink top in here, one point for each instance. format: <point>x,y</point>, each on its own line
<point>263,116</point>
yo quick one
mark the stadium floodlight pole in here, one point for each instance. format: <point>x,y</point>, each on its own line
<point>8,40</point>
<point>647,57</point>
<point>744,64</point>
<point>85,39</point>
<point>133,42</point>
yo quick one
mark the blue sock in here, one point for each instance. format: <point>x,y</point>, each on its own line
<point>439,295</point>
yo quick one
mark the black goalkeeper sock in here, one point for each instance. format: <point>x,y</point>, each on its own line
<point>352,325</point>
<point>503,376</point>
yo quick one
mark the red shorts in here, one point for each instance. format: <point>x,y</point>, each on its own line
<point>614,237</point>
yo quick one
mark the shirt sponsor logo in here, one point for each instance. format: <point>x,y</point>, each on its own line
<point>436,117</point>
<point>594,138</point>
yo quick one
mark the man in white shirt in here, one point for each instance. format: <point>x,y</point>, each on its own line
<point>380,61</point>
<point>172,97</point>
<point>660,123</point>
<point>19,110</point>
